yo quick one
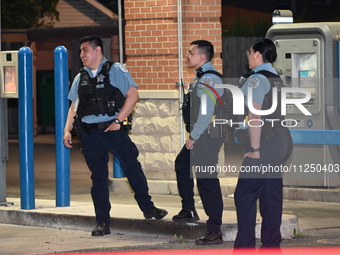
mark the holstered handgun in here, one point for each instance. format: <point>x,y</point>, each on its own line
<point>80,128</point>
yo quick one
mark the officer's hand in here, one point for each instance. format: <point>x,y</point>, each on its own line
<point>112,127</point>
<point>252,154</point>
<point>189,144</point>
<point>67,140</point>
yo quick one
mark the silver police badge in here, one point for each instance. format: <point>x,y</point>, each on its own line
<point>100,78</point>
<point>254,82</point>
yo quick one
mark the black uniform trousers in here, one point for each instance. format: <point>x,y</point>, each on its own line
<point>265,187</point>
<point>96,147</point>
<point>202,156</point>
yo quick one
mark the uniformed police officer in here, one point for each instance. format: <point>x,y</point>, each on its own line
<point>200,149</point>
<point>103,94</point>
<point>270,145</point>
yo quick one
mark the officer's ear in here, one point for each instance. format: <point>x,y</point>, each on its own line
<point>258,55</point>
<point>98,49</point>
<point>203,57</point>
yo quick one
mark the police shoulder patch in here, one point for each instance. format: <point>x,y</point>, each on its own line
<point>207,80</point>
<point>254,82</point>
<point>123,68</point>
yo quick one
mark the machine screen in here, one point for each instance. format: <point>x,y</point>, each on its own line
<point>307,80</point>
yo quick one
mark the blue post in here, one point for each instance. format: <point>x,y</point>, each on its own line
<point>117,169</point>
<point>26,140</point>
<point>61,87</point>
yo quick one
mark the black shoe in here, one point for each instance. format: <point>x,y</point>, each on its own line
<point>100,230</point>
<point>155,212</point>
<point>210,238</point>
<point>186,216</point>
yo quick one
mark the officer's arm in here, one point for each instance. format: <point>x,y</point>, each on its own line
<point>201,124</point>
<point>69,126</point>
<point>132,97</point>
<point>254,131</point>
<point>203,120</point>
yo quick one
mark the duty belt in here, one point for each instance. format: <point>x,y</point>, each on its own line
<point>100,125</point>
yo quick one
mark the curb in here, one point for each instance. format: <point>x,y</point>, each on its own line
<point>142,226</point>
<point>308,194</point>
<point>86,223</point>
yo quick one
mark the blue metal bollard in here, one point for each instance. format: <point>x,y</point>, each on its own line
<point>26,140</point>
<point>117,169</point>
<point>61,87</point>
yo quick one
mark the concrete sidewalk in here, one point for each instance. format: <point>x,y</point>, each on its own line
<point>126,219</point>
<point>48,229</point>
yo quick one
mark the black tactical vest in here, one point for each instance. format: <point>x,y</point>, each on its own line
<point>195,102</point>
<point>267,128</point>
<point>97,95</point>
<point>191,104</point>
<point>275,81</point>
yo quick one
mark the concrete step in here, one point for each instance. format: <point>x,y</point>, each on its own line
<point>126,217</point>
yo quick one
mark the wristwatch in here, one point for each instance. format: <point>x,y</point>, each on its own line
<point>117,121</point>
<point>254,150</point>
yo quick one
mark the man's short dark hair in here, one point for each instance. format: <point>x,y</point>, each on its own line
<point>204,47</point>
<point>94,40</point>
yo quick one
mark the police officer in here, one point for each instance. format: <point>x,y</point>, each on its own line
<point>200,149</point>
<point>270,145</point>
<point>103,94</point>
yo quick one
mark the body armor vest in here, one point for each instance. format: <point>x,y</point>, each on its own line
<point>275,81</point>
<point>191,103</point>
<point>267,128</point>
<point>97,95</point>
<point>194,102</point>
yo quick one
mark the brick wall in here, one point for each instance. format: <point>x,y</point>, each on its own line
<point>151,35</point>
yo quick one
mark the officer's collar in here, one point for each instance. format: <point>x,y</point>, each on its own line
<point>264,66</point>
<point>104,60</point>
<point>200,71</point>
